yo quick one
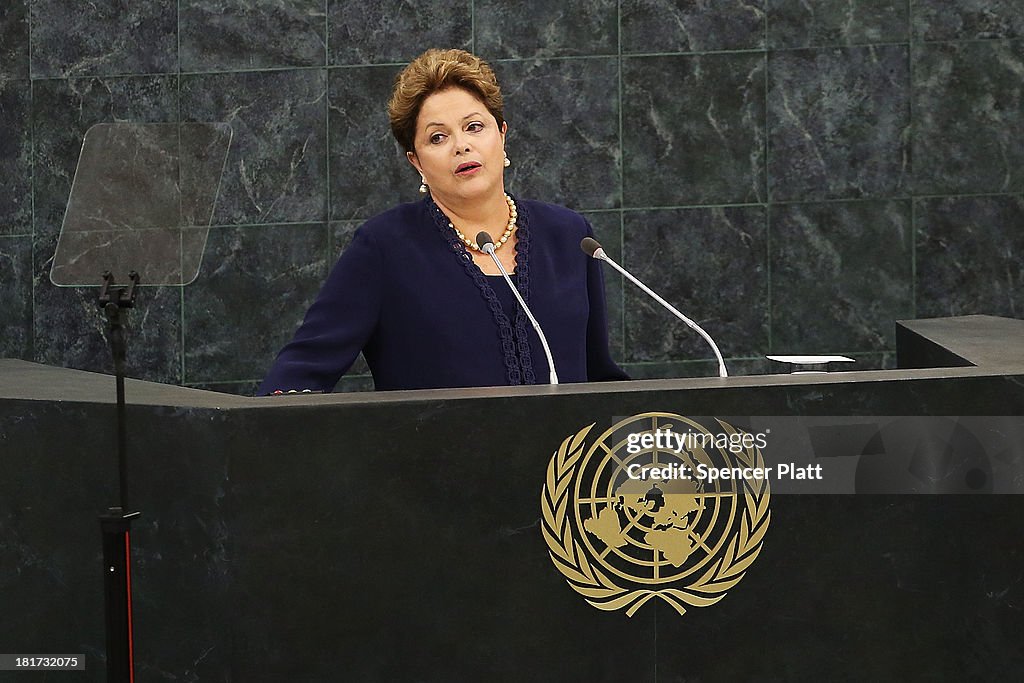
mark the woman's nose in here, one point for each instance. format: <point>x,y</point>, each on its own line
<point>461,145</point>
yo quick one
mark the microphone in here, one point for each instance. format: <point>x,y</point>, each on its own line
<point>487,246</point>
<point>592,248</point>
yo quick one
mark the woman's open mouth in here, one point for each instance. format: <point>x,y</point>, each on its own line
<point>468,168</point>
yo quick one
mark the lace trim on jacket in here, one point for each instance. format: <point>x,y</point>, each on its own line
<point>514,337</point>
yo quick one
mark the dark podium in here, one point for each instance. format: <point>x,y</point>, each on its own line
<point>396,536</point>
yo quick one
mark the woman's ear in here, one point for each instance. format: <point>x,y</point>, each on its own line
<point>411,156</point>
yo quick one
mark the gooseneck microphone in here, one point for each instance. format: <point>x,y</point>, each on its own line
<point>592,248</point>
<point>487,246</point>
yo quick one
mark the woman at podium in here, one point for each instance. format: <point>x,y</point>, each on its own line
<point>416,293</point>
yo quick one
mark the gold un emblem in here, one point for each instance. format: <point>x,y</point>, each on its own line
<point>648,510</point>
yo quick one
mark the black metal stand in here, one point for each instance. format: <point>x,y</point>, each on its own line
<point>116,523</point>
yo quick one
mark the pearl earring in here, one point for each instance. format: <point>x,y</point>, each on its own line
<point>507,162</point>
<point>423,185</point>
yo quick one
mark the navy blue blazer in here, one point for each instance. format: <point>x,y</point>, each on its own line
<point>407,294</point>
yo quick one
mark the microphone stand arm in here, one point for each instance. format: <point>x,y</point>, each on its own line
<point>600,254</point>
<point>552,375</point>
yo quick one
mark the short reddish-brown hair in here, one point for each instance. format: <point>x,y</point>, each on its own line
<point>434,71</point>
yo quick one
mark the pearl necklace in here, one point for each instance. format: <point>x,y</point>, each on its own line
<point>509,229</point>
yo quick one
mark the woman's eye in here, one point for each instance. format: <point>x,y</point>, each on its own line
<point>475,127</point>
<point>436,138</point>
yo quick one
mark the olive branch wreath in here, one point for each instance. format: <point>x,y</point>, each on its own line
<point>598,588</point>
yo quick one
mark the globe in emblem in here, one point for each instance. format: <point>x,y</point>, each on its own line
<point>635,515</point>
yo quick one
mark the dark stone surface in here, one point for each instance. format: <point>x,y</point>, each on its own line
<point>736,367</point>
<point>236,388</point>
<point>901,554</point>
<point>393,31</point>
<point>705,147</point>
<point>970,256</point>
<point>545,29</point>
<point>279,267</point>
<point>103,38</point>
<point>711,264</point>
<point>16,285</point>
<point>64,110</point>
<point>49,579</point>
<point>14,45</point>
<point>368,170</point>
<point>594,124</point>
<point>608,231</point>
<point>918,351</point>
<point>424,515</point>
<point>69,329</point>
<point>341,234</point>
<point>411,520</point>
<point>840,275</point>
<point>15,157</point>
<point>683,26</point>
<point>967,19</point>
<point>563,119</point>
<point>978,339</point>
<point>276,169</point>
<point>226,34</point>
<point>968,117</point>
<point>356,379</point>
<point>838,121</point>
<point>795,23</point>
<point>358,376</point>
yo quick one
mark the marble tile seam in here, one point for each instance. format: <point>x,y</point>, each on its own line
<point>642,209</point>
<point>679,53</point>
<point>177,41</point>
<point>691,53</point>
<point>769,288</point>
<point>181,340</point>
<point>472,26</point>
<point>34,256</point>
<point>811,200</point>
<point>676,207</point>
<point>913,260</point>
<point>759,50</point>
<point>327,33</point>
<point>623,54</point>
<point>967,41</point>
<point>738,205</point>
<point>230,226</point>
<point>211,72</point>
<point>967,195</point>
<point>329,189</point>
<point>909,148</point>
<point>509,60</point>
<point>839,46</point>
<point>621,170</point>
<point>636,209</point>
<point>767,189</point>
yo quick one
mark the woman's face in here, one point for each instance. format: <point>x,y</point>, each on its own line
<point>459,149</point>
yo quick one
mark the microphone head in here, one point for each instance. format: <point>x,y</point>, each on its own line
<point>590,246</point>
<point>483,239</point>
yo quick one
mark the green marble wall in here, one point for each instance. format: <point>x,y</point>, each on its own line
<point>793,175</point>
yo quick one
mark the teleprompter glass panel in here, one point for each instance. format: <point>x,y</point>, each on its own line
<point>141,200</point>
